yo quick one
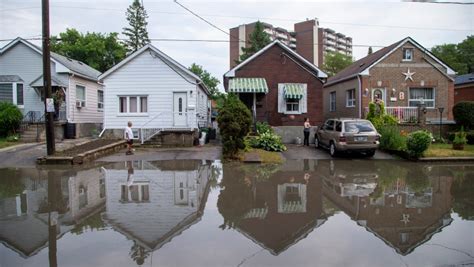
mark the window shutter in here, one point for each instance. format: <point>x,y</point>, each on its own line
<point>281,98</point>
<point>304,100</point>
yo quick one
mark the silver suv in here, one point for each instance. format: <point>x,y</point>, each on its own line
<point>341,135</point>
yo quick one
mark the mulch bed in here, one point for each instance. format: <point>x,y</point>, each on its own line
<point>73,151</point>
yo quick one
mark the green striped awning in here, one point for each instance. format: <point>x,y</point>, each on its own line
<point>294,90</point>
<point>248,85</point>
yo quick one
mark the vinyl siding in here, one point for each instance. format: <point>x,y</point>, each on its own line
<point>149,76</point>
<point>89,113</point>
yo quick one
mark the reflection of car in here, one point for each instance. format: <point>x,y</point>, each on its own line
<point>340,135</point>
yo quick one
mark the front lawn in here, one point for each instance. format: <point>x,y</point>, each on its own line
<point>4,143</point>
<point>446,150</point>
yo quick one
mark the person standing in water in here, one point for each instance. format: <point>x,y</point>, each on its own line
<point>307,128</point>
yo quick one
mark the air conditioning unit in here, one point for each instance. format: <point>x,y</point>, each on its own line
<point>80,104</point>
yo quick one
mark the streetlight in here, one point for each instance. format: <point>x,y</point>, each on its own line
<point>440,109</point>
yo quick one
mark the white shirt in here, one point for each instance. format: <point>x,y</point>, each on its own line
<point>129,132</point>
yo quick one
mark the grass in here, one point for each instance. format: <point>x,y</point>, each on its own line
<point>265,156</point>
<point>446,150</point>
<point>4,143</point>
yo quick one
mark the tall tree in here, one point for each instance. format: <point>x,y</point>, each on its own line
<point>100,51</point>
<point>258,39</point>
<point>370,50</point>
<point>335,62</point>
<point>210,81</point>
<point>459,56</point>
<point>137,33</point>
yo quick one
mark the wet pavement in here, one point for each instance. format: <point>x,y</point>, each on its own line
<point>205,213</point>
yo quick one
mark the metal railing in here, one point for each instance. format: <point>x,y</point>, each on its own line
<point>403,114</point>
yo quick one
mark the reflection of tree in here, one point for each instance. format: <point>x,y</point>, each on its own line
<point>215,173</point>
<point>417,180</point>
<point>94,222</point>
<point>10,184</point>
<point>261,172</point>
<point>235,198</point>
<point>462,191</point>
<point>138,253</point>
<point>388,175</point>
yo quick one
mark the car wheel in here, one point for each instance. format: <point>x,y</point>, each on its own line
<point>332,150</point>
<point>316,142</point>
<point>370,153</point>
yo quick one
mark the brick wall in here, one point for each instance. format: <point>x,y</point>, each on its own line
<point>276,68</point>
<point>304,39</point>
<point>464,93</point>
<point>432,128</point>
<point>341,109</point>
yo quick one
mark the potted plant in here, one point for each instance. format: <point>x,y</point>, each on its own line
<point>460,139</point>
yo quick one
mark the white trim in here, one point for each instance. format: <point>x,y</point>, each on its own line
<point>352,99</point>
<point>449,71</point>
<point>424,100</point>
<point>330,101</point>
<point>132,114</point>
<point>231,73</point>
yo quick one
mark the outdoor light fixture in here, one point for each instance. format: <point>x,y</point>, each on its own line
<point>366,92</point>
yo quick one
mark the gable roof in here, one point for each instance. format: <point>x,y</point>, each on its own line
<point>463,79</point>
<point>362,66</point>
<point>10,79</point>
<point>70,65</point>
<point>319,73</point>
<point>167,59</point>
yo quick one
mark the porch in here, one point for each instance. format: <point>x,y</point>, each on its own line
<point>413,115</point>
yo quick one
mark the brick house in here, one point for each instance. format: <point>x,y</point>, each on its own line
<point>279,86</point>
<point>464,88</point>
<point>403,75</point>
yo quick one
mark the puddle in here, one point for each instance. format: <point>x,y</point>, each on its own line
<point>204,213</point>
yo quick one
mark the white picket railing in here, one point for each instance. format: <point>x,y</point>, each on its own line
<point>403,114</point>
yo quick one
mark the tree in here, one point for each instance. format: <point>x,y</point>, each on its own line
<point>137,33</point>
<point>335,62</point>
<point>211,82</point>
<point>258,39</point>
<point>100,51</point>
<point>459,56</point>
<point>370,50</point>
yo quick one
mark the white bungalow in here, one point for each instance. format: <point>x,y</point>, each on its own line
<point>155,93</point>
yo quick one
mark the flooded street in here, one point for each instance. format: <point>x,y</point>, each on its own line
<point>204,213</point>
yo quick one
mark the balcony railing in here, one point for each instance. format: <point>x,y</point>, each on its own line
<point>403,114</point>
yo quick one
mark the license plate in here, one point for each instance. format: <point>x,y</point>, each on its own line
<point>360,138</point>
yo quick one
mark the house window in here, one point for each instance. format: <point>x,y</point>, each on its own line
<point>133,104</point>
<point>407,54</point>
<point>350,98</point>
<point>332,101</point>
<point>100,99</point>
<point>81,94</point>
<point>422,95</point>
<point>11,93</point>
<point>292,105</point>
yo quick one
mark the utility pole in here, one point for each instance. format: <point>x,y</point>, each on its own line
<point>48,104</point>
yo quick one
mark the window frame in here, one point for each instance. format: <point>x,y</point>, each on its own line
<point>410,100</point>
<point>350,102</point>
<point>139,113</point>
<point>332,108</point>
<point>14,88</point>
<point>404,50</point>
<point>85,94</point>
<point>293,102</point>
<point>100,104</point>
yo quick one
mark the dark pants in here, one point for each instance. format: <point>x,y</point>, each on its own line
<point>306,138</point>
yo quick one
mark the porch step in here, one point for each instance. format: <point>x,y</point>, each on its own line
<point>31,132</point>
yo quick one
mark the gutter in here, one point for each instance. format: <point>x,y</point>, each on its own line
<point>360,96</point>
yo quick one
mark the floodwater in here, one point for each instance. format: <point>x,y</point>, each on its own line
<point>203,213</point>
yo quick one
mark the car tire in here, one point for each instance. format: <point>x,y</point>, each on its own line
<point>332,149</point>
<point>316,142</point>
<point>370,153</point>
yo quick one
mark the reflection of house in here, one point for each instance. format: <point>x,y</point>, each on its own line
<point>396,213</point>
<point>151,203</point>
<point>283,209</point>
<point>24,218</point>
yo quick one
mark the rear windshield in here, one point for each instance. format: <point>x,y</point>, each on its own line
<point>358,126</point>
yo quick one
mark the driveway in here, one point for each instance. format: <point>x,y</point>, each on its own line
<point>296,152</point>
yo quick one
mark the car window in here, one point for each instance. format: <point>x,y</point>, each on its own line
<point>329,125</point>
<point>338,126</point>
<point>358,127</point>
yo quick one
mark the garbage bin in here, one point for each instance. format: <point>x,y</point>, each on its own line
<point>70,131</point>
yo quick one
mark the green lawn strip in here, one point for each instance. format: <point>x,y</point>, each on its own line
<point>4,143</point>
<point>446,150</point>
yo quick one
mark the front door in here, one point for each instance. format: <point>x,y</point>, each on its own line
<point>179,109</point>
<point>378,93</point>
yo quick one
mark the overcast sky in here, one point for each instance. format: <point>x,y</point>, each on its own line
<point>375,23</point>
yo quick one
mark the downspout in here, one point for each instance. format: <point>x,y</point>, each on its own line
<point>360,96</point>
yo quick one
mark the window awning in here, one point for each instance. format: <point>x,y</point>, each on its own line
<point>248,85</point>
<point>55,81</point>
<point>294,90</point>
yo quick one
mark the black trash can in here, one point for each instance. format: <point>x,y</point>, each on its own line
<point>70,131</point>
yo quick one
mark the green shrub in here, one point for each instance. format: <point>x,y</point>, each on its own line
<point>10,118</point>
<point>263,127</point>
<point>391,138</point>
<point>269,142</point>
<point>378,117</point>
<point>469,137</point>
<point>234,121</point>
<point>418,142</point>
<point>464,114</point>
<point>460,138</point>
<point>13,138</point>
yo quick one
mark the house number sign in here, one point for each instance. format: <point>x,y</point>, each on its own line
<point>401,96</point>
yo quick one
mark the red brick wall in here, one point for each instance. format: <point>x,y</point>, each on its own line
<point>464,93</point>
<point>233,46</point>
<point>304,39</point>
<point>280,69</point>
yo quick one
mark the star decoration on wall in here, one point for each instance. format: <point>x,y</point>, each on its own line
<point>405,218</point>
<point>408,75</point>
